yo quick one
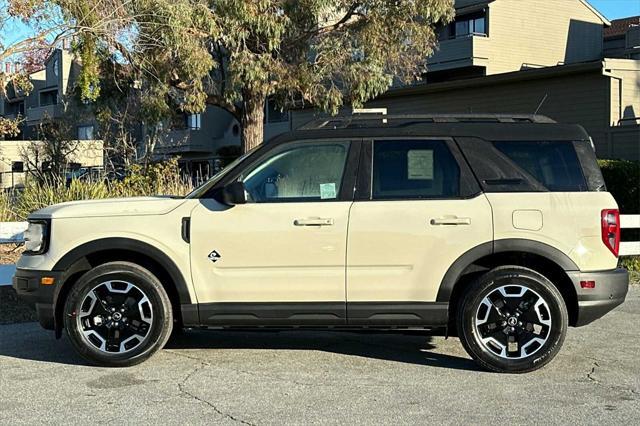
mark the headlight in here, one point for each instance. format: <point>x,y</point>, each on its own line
<point>35,237</point>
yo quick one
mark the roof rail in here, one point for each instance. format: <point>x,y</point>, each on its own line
<point>373,120</point>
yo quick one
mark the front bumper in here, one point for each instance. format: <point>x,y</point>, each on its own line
<point>27,284</point>
<point>610,291</point>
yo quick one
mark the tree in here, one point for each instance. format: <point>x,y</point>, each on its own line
<point>55,148</point>
<point>235,54</point>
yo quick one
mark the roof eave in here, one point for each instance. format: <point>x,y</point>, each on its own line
<point>527,75</point>
<point>603,18</point>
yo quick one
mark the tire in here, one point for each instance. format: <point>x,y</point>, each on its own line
<point>512,320</point>
<point>118,315</point>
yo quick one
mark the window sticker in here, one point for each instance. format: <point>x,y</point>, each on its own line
<point>420,164</point>
<point>327,190</point>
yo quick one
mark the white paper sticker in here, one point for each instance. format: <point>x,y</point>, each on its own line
<point>420,164</point>
<point>327,191</point>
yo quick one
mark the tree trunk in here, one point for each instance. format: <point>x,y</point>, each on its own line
<point>252,120</point>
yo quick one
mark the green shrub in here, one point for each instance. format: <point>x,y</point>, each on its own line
<point>631,263</point>
<point>7,212</point>
<point>158,179</point>
<point>623,181</point>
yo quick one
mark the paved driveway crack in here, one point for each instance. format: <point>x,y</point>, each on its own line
<point>593,370</point>
<point>184,391</point>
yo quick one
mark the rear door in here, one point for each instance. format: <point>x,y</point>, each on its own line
<point>417,210</point>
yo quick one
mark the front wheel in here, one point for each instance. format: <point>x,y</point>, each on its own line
<point>118,315</point>
<point>512,320</point>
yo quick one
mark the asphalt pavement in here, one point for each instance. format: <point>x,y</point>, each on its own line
<point>301,377</point>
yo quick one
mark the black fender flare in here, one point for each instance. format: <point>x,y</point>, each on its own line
<point>455,271</point>
<point>77,256</point>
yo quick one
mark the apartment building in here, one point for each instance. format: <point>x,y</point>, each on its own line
<point>622,38</point>
<point>206,142</point>
<point>52,86</point>
<point>561,58</point>
<point>491,37</point>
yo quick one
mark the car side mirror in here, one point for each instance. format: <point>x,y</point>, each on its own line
<point>232,194</point>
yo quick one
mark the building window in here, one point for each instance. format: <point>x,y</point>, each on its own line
<point>470,25</point>
<point>193,121</point>
<point>275,114</point>
<point>85,133</point>
<point>17,167</point>
<point>49,97</point>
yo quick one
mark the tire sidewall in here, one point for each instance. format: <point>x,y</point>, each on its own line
<point>532,280</point>
<point>145,281</point>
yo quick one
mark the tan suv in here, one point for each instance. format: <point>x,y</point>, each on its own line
<point>496,228</point>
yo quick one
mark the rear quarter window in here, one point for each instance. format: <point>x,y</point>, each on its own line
<point>555,165</point>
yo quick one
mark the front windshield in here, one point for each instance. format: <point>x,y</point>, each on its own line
<point>202,189</point>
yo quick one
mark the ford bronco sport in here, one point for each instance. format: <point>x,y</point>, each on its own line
<point>497,228</point>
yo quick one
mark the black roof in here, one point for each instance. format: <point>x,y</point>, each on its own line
<point>359,121</point>
<point>486,126</point>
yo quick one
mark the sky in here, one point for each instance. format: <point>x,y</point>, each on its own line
<point>615,9</point>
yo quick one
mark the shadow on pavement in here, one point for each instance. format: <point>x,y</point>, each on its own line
<point>27,341</point>
<point>30,342</point>
<point>406,348</point>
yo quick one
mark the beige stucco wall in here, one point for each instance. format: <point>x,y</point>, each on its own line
<point>625,90</point>
<point>541,32</point>
<point>87,153</point>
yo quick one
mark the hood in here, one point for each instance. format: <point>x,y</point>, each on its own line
<point>138,206</point>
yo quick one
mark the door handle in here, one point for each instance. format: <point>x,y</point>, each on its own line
<point>313,221</point>
<point>451,221</point>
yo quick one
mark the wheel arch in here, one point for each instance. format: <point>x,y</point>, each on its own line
<point>81,259</point>
<point>535,255</point>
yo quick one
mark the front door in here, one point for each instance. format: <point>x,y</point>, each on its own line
<point>421,212</point>
<point>281,258</point>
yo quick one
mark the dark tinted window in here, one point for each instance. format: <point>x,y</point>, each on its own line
<point>554,164</point>
<point>414,169</point>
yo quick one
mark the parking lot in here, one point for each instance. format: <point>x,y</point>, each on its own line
<point>323,377</point>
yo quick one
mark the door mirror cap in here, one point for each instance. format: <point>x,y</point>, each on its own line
<point>232,194</point>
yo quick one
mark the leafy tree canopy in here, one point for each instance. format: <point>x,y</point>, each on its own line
<point>236,53</point>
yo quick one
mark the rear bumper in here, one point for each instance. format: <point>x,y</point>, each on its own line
<point>26,282</point>
<point>610,291</point>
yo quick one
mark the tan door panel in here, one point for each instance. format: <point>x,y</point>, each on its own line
<point>267,254</point>
<point>401,250</point>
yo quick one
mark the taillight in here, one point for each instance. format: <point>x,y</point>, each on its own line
<point>611,230</point>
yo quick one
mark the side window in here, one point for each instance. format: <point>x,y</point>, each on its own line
<point>414,169</point>
<point>300,172</point>
<point>553,164</point>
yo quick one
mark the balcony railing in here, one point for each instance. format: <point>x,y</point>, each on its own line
<point>39,113</point>
<point>469,50</point>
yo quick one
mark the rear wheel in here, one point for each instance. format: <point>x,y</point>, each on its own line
<point>118,314</point>
<point>512,320</point>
